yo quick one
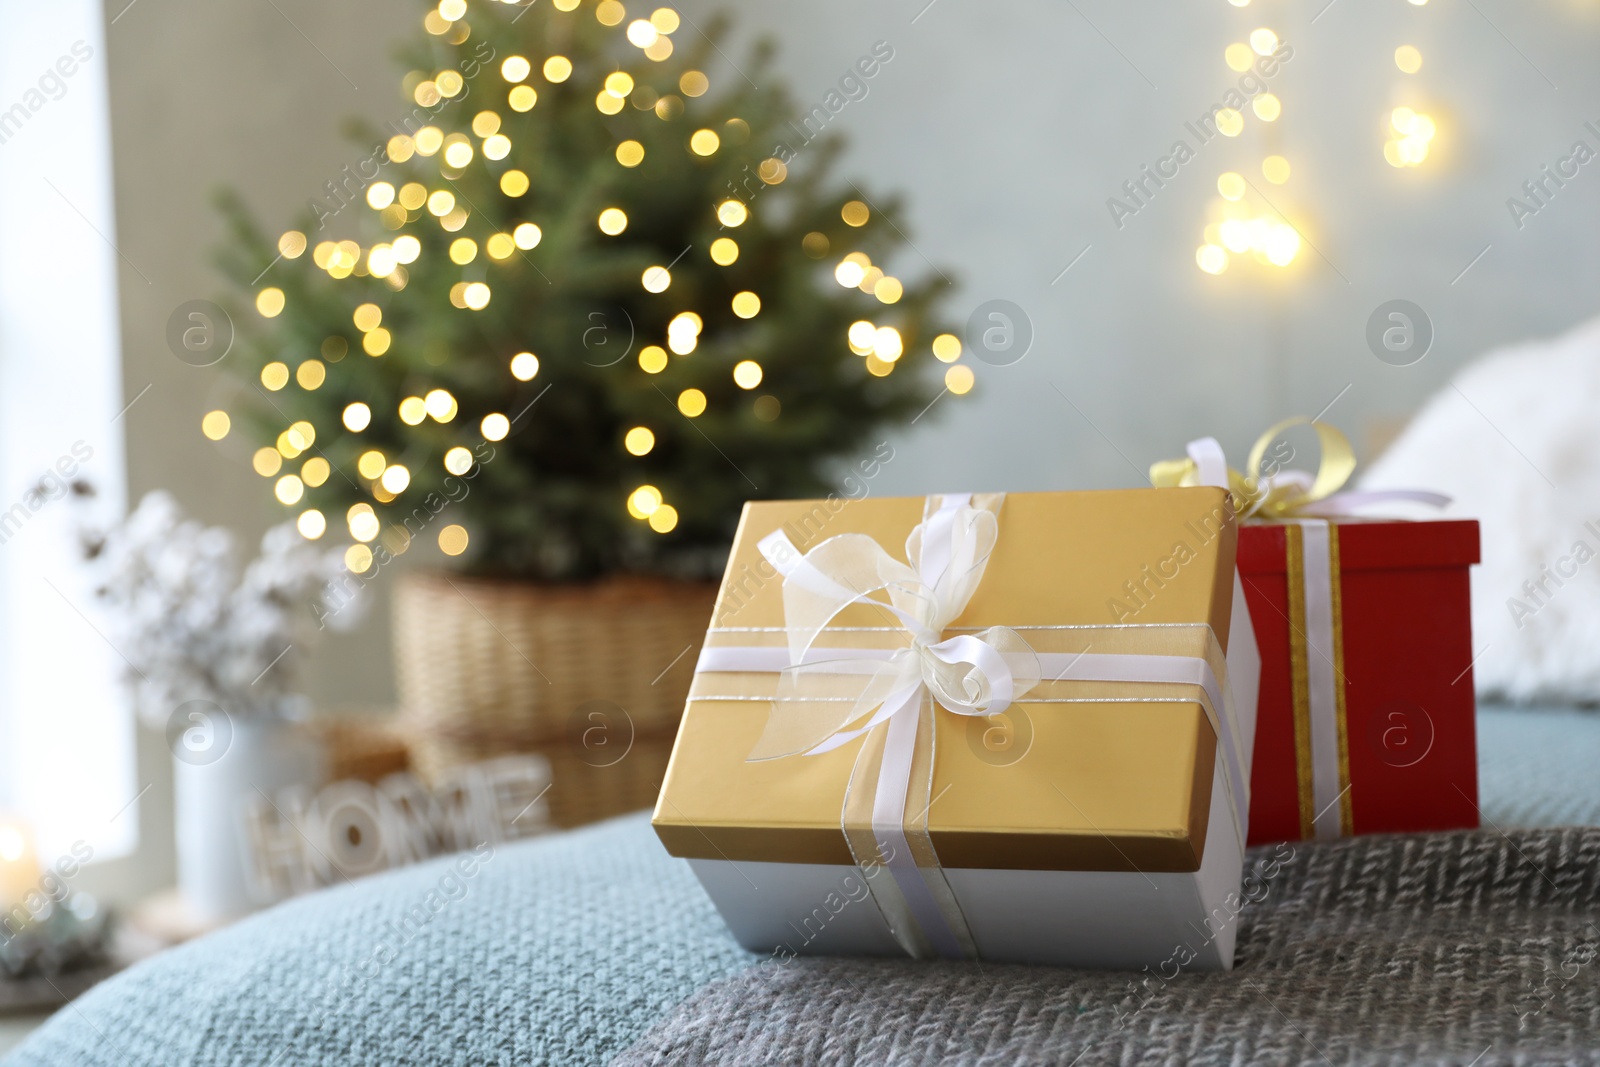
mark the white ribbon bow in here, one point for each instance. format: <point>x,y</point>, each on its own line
<point>823,697</point>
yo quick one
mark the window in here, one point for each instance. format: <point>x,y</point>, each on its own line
<point>66,731</point>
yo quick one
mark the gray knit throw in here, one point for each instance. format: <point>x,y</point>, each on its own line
<point>1465,948</point>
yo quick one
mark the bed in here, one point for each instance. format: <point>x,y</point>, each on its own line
<point>596,947</point>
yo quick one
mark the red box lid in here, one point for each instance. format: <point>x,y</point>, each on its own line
<point>1369,545</point>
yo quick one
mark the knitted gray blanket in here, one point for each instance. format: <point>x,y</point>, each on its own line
<point>1468,948</point>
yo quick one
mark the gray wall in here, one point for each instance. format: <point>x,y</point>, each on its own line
<point>1009,125</point>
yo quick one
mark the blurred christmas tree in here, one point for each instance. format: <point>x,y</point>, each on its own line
<point>578,305</point>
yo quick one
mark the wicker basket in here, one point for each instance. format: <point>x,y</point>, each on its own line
<point>360,745</point>
<point>593,677</point>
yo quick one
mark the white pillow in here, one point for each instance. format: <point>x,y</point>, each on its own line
<point>1515,440</point>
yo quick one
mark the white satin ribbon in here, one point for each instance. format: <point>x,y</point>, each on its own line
<point>1323,698</point>
<point>829,697</point>
<point>1052,666</point>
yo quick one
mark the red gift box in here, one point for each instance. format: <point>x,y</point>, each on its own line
<point>1400,735</point>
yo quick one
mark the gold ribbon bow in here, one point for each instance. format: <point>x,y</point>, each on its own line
<point>1274,492</point>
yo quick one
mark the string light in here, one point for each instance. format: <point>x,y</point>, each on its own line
<point>1410,132</point>
<point>289,489</point>
<point>440,405</point>
<point>267,462</point>
<point>396,478</point>
<point>216,425</point>
<point>311,524</point>
<point>1211,259</point>
<point>747,374</point>
<point>861,336</point>
<point>692,402</point>
<point>1411,135</point>
<point>652,359</point>
<point>495,427</point>
<point>643,500</point>
<point>524,365</point>
<point>704,142</point>
<point>619,84</point>
<point>639,441</point>
<point>453,539</point>
<point>641,34</point>
<point>656,279</point>
<point>887,344</point>
<point>630,153</point>
<point>1235,228</point>
<point>363,522</point>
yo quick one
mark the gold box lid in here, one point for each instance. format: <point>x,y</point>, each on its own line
<point>1087,784</point>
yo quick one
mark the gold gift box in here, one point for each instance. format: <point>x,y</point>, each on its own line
<point>1108,785</point>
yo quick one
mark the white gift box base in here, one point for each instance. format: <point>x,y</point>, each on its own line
<point>1114,920</point>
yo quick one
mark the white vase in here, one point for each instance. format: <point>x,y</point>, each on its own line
<point>221,763</point>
